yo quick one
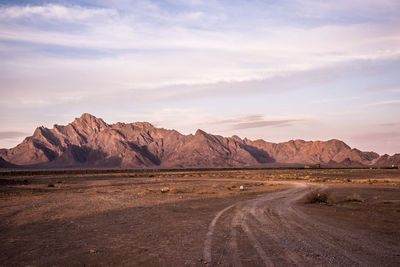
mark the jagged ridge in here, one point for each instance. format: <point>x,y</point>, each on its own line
<point>90,142</point>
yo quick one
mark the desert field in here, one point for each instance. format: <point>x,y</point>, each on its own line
<point>281,217</point>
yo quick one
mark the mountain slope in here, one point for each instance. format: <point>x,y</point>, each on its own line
<point>300,151</point>
<point>7,165</point>
<point>90,142</point>
<point>387,160</point>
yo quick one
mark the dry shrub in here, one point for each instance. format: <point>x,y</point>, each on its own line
<point>147,191</point>
<point>232,186</point>
<point>176,191</point>
<point>319,197</point>
<point>318,180</point>
<point>204,192</point>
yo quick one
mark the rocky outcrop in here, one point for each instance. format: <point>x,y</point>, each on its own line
<point>90,142</point>
<point>387,160</point>
<point>317,152</point>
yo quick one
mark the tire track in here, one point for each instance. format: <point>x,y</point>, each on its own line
<point>210,233</point>
<point>278,233</point>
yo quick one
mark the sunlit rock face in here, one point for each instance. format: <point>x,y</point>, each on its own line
<point>90,142</point>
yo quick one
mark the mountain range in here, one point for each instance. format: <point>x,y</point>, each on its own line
<point>89,142</point>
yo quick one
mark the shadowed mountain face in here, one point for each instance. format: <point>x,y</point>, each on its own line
<point>90,142</point>
<point>5,164</point>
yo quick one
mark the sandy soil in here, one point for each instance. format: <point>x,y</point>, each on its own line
<point>202,218</point>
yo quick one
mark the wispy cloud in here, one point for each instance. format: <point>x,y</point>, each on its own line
<point>11,134</point>
<point>53,11</point>
<point>253,121</point>
<point>259,124</point>
<point>390,124</point>
<point>384,103</point>
<point>366,9</point>
<point>185,64</point>
<point>152,47</point>
<point>239,119</point>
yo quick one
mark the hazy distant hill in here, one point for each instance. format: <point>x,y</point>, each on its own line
<point>90,142</point>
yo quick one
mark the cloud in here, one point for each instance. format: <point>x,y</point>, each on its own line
<point>157,48</point>
<point>280,58</point>
<point>112,29</point>
<point>249,117</point>
<point>390,124</point>
<point>342,11</point>
<point>11,134</point>
<point>53,11</point>
<point>384,103</point>
<point>259,124</point>
<point>253,121</point>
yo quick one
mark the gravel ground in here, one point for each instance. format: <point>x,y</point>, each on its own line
<point>202,218</point>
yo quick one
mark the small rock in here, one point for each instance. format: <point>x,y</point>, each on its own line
<point>165,190</point>
<point>92,251</point>
<point>241,188</point>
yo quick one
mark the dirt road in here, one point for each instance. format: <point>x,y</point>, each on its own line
<point>273,231</point>
<point>202,221</point>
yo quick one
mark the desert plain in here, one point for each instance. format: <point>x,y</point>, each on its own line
<point>237,217</point>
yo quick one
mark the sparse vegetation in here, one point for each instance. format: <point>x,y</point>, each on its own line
<point>204,192</point>
<point>176,191</point>
<point>354,198</point>
<point>232,186</point>
<point>319,197</point>
<point>115,200</point>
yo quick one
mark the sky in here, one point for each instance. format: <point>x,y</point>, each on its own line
<point>275,70</point>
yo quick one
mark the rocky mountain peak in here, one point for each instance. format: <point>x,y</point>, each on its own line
<point>88,122</point>
<point>236,138</point>
<point>200,132</point>
<point>38,131</point>
<point>338,143</point>
<point>90,142</point>
<point>144,125</point>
